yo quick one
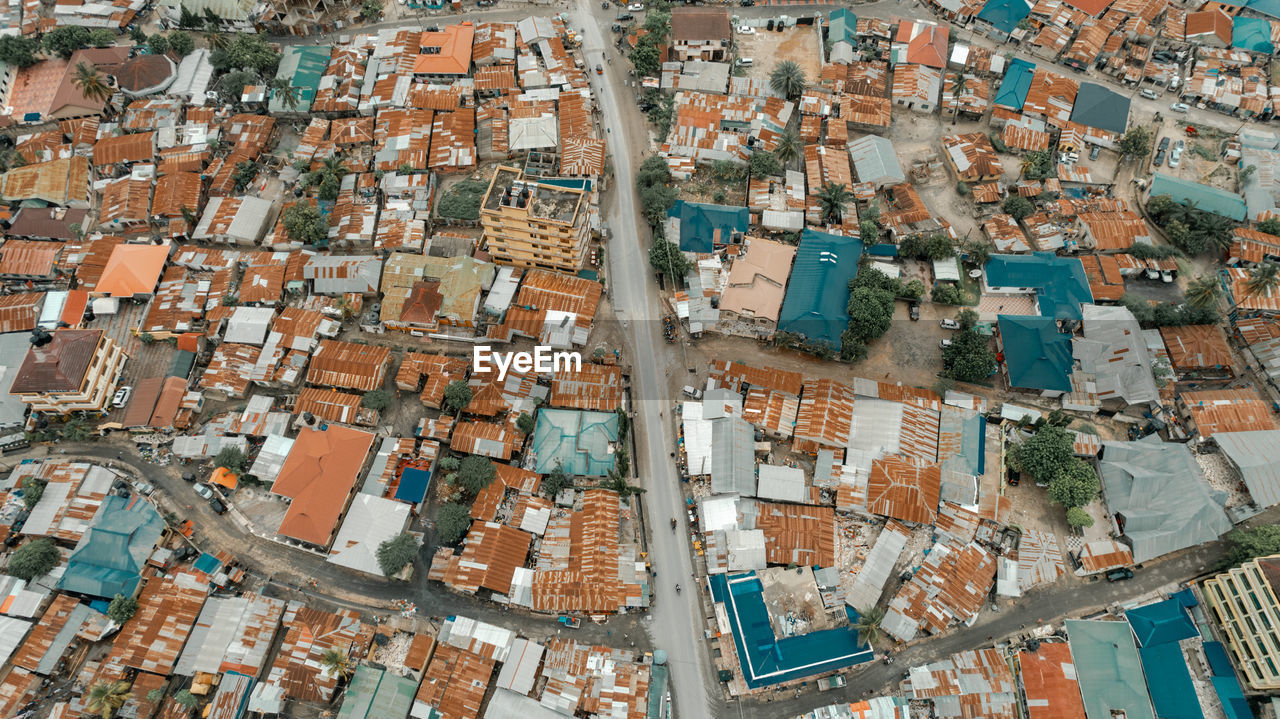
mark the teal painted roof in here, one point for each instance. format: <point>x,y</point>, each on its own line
<point>700,222</point>
<point>1252,33</point>
<point>1108,669</point>
<point>1004,15</point>
<point>110,556</point>
<point>817,299</point>
<point>302,66</point>
<point>1161,623</point>
<point>1209,199</point>
<point>1036,354</point>
<point>1266,7</point>
<point>1101,107</point>
<point>377,694</point>
<point>843,25</point>
<point>1016,84</point>
<point>1060,283</point>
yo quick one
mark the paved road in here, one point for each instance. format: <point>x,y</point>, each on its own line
<point>676,620</point>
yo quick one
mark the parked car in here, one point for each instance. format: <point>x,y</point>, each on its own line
<point>1166,276</point>
<point>625,16</point>
<point>746,3</point>
<point>143,488</point>
<point>914,311</point>
<point>1094,152</point>
<point>203,490</point>
<point>217,506</point>
<point>604,5</point>
<point>949,325</point>
<point>1179,107</point>
<point>616,27</point>
<point>188,476</point>
<point>635,7</point>
<point>1149,93</point>
<point>122,396</point>
<point>746,30</point>
<point>1164,144</point>
<point>745,61</point>
<point>1175,157</point>
<point>943,344</point>
<point>1119,575</point>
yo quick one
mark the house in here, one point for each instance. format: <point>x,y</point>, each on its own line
<point>1101,108</point>
<point>74,371</point>
<point>490,556</point>
<point>1158,497</point>
<point>1198,352</point>
<point>424,293</point>
<point>1251,455</point>
<point>63,182</point>
<point>445,54</point>
<point>1057,286</point>
<point>48,91</point>
<point>972,157</point>
<point>919,42</point>
<point>875,161</point>
<point>1003,16</point>
<point>916,87</point>
<point>343,274</point>
<point>751,301</point>
<point>233,220</point>
<point>1108,669</point>
<point>349,365</point>
<point>700,33</point>
<point>1016,85</point>
<point>369,523</point>
<point>1244,602</point>
<point>533,224</point>
<point>815,304</point>
<point>583,566</point>
<point>374,693</point>
<point>1111,349</point>
<point>133,271</point>
<point>1226,410</point>
<point>1210,199</point>
<point>701,228</point>
<point>1050,682</point>
<point>111,555</point>
<point>977,678</point>
<point>1037,355</point>
<point>318,479</point>
<point>1210,27</point>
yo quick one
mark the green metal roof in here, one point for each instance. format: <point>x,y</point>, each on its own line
<point>704,225</point>
<point>302,66</point>
<point>1108,669</point>
<point>1060,283</point>
<point>817,299</point>
<point>110,557</point>
<point>377,694</point>
<point>843,25</point>
<point>1209,199</point>
<point>1016,84</point>
<point>1252,33</point>
<point>1036,354</point>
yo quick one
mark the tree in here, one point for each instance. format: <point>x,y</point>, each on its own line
<point>247,52</point>
<point>283,90</point>
<point>832,197</point>
<point>1044,454</point>
<point>1136,142</point>
<point>948,294</point>
<point>186,699</point>
<point>764,164</point>
<point>18,51</point>
<point>452,522</point>
<point>1263,280</point>
<point>645,58</point>
<point>371,10</point>
<point>1203,291</point>
<point>76,429</point>
<point>525,423</point>
<point>457,395</point>
<point>246,172</point>
<point>91,84</point>
<point>1254,542</point>
<point>336,663</point>
<point>106,698</point>
<point>870,313</point>
<point>967,318</point>
<point>976,252</point>
<point>666,258</point>
<point>450,463</point>
<point>1037,165</point>
<point>393,554</point>
<point>187,18</point>
<point>1075,484</point>
<point>377,400</point>
<point>1018,206</point>
<point>102,37</point>
<point>939,247</point>
<point>1271,225</point>
<point>787,79</point>
<point>32,491</point>
<point>962,188</point>
<point>158,44</point>
<point>1078,518</point>
<point>788,147</point>
<point>155,696</point>
<point>181,43</point>
<point>617,482</point>
<point>216,40</point>
<point>230,457</point>
<point>122,608</point>
<point>1159,206</point>
<point>969,358</point>
<point>556,482</point>
<point>34,559</point>
<point>868,624</point>
<point>655,200</point>
<point>868,231</point>
<point>303,223</point>
<point>65,40</point>
<point>475,473</point>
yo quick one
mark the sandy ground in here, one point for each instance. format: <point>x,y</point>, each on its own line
<point>800,44</point>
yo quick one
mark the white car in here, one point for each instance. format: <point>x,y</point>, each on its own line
<point>1166,276</point>
<point>746,30</point>
<point>635,6</point>
<point>203,490</point>
<point>1175,157</point>
<point>1179,107</point>
<point>949,325</point>
<point>122,396</point>
<point>943,344</point>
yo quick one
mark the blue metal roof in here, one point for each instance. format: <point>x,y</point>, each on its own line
<point>842,25</point>
<point>1059,282</point>
<point>1004,15</point>
<point>1266,7</point>
<point>111,555</point>
<point>1036,354</point>
<point>817,299</point>
<point>1209,199</point>
<point>1169,682</point>
<point>700,222</point>
<point>413,485</point>
<point>1161,623</point>
<point>1251,33</point>
<point>1225,682</point>
<point>1016,84</point>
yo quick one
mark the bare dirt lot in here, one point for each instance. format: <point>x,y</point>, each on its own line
<point>801,45</point>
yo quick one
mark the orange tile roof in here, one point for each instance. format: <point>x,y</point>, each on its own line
<point>1228,410</point>
<point>904,489</point>
<point>489,558</point>
<point>133,270</point>
<point>318,476</point>
<point>798,534</point>
<point>1197,347</point>
<point>452,51</point>
<point>1049,681</point>
<point>1210,22</point>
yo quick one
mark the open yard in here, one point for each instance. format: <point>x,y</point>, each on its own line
<point>801,44</point>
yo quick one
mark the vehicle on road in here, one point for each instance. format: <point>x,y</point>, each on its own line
<point>624,16</point>
<point>949,324</point>
<point>677,589</point>
<point>943,344</point>
<point>188,476</point>
<point>746,30</point>
<point>203,490</point>
<point>571,622</point>
<point>599,69</point>
<point>746,3</point>
<point>691,391</point>
<point>122,396</point>
<point>635,6</point>
<point>829,683</point>
<point>1119,575</point>
<point>217,506</point>
<point>143,488</point>
<point>1179,107</point>
<point>745,61</point>
<point>1149,94</point>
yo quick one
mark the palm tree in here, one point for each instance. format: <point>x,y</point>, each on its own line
<point>787,79</point>
<point>283,89</point>
<point>788,147</point>
<point>1215,228</point>
<point>1263,280</point>
<point>216,40</point>
<point>189,217</point>
<point>90,83</point>
<point>833,197</point>
<point>106,698</point>
<point>332,165</point>
<point>1203,291</point>
<point>868,624</point>
<point>336,662</point>
<point>76,430</point>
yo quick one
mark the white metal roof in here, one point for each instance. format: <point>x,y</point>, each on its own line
<point>370,522</point>
<point>249,325</point>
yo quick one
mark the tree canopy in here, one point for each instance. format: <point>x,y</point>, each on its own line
<point>65,40</point>
<point>303,223</point>
<point>378,399</point>
<point>232,458</point>
<point>34,559</point>
<point>475,473</point>
<point>18,51</point>
<point>457,395</point>
<point>787,79</point>
<point>452,522</point>
<point>122,608</point>
<point>248,52</point>
<point>1136,142</point>
<point>1044,454</point>
<point>969,358</point>
<point>525,423</point>
<point>393,554</point>
<point>1078,518</point>
<point>666,258</point>
<point>181,43</point>
<point>1075,484</point>
<point>657,193</point>
<point>1018,206</point>
<point>764,164</point>
<point>1253,542</point>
